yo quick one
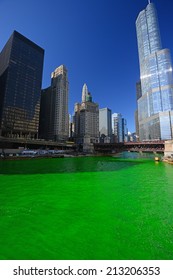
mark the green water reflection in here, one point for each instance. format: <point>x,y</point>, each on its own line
<point>86,208</point>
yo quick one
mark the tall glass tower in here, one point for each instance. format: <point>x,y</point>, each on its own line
<point>155,106</point>
<point>21,67</point>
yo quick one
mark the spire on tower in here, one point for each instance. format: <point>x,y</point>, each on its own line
<point>84,92</point>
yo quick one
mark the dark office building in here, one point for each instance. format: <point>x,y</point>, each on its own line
<point>45,124</point>
<point>21,67</point>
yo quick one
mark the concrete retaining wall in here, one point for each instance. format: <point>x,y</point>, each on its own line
<point>168,148</point>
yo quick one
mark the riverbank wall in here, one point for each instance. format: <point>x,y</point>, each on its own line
<point>168,152</point>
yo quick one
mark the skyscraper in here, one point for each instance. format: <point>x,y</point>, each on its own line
<point>45,127</point>
<point>155,106</point>
<point>21,67</point>
<point>124,130</point>
<point>117,127</point>
<point>105,125</point>
<point>86,121</point>
<point>54,118</point>
<point>60,86</point>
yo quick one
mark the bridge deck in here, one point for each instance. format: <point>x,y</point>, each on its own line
<point>147,146</point>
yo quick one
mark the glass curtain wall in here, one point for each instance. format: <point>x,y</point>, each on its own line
<point>156,79</point>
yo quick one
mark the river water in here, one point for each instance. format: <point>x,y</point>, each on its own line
<point>86,208</point>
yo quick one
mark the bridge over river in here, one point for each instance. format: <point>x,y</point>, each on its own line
<point>146,146</point>
<point>165,147</point>
<point>10,143</point>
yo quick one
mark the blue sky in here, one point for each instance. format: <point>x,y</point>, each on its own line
<point>94,39</point>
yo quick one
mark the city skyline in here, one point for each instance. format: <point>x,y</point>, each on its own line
<point>95,40</point>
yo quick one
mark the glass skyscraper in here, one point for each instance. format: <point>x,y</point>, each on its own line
<point>119,128</point>
<point>155,106</point>
<point>21,67</point>
<point>105,125</point>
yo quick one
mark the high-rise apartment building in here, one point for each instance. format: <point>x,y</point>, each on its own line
<point>155,106</point>
<point>105,125</point>
<point>119,128</point>
<point>86,121</point>
<point>54,117</point>
<point>124,130</point>
<point>21,67</point>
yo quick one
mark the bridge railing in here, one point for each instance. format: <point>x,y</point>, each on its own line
<point>152,146</point>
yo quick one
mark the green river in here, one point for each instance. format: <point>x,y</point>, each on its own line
<point>86,208</point>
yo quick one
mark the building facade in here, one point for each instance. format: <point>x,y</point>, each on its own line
<point>21,67</point>
<point>155,106</point>
<point>124,130</point>
<point>86,121</point>
<point>119,128</point>
<point>45,114</point>
<point>136,123</point>
<point>138,95</point>
<point>105,125</point>
<point>54,117</point>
